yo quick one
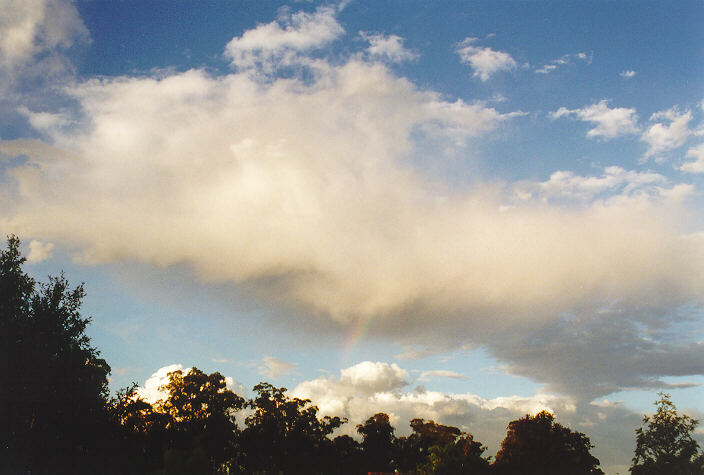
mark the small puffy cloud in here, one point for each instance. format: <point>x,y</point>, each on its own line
<point>440,373</point>
<point>280,41</point>
<point>389,48</point>
<point>670,131</point>
<point>610,122</point>
<point>696,165</point>
<point>39,251</point>
<point>374,377</point>
<point>564,60</point>
<point>273,367</point>
<point>629,73</point>
<point>483,60</point>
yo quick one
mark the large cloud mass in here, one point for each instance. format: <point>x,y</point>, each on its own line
<point>306,189</point>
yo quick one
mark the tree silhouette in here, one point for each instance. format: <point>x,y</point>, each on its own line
<point>53,385</point>
<point>285,434</point>
<point>666,444</point>
<point>457,457</point>
<point>415,448</point>
<point>539,445</point>
<point>201,421</point>
<point>378,443</point>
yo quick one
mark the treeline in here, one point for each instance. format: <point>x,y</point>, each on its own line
<point>58,416</point>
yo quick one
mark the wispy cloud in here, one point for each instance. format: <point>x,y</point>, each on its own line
<point>627,74</point>
<point>273,367</point>
<point>440,373</point>
<point>563,61</point>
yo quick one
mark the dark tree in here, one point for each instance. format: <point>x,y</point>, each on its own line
<point>463,456</point>
<point>53,384</point>
<point>666,444</point>
<point>539,445</point>
<point>286,435</point>
<point>378,443</point>
<point>415,448</point>
<point>201,421</point>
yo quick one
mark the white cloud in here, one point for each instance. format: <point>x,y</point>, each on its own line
<point>329,217</point>
<point>440,373</point>
<point>389,48</point>
<point>696,165</point>
<point>563,61</point>
<point>610,426</point>
<point>31,28</point>
<point>374,377</point>
<point>273,367</point>
<point>662,137</point>
<point>151,390</point>
<point>610,123</point>
<point>629,73</point>
<point>615,182</point>
<point>280,41</point>
<point>483,60</point>
<point>39,251</point>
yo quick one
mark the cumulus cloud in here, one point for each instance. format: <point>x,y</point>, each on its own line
<point>670,132</point>
<point>609,425</point>
<point>387,47</point>
<point>280,41</point>
<point>696,165</point>
<point>484,61</point>
<point>610,122</point>
<point>328,216</point>
<point>563,61</point>
<point>273,367</point>
<point>39,251</point>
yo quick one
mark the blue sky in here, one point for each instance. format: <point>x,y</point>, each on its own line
<point>463,211</point>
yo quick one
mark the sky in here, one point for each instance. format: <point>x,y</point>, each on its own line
<point>461,211</point>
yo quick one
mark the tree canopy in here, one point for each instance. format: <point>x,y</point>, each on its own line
<point>539,445</point>
<point>53,383</point>
<point>665,444</point>
<point>57,416</point>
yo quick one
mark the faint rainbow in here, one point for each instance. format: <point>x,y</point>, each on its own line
<point>359,328</point>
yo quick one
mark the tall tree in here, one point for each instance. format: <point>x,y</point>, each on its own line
<point>379,443</point>
<point>53,384</point>
<point>539,445</point>
<point>201,421</point>
<point>666,445</point>
<point>286,434</point>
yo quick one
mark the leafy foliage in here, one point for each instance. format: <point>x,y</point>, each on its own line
<point>539,445</point>
<point>666,444</point>
<point>53,384</point>
<point>285,434</point>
